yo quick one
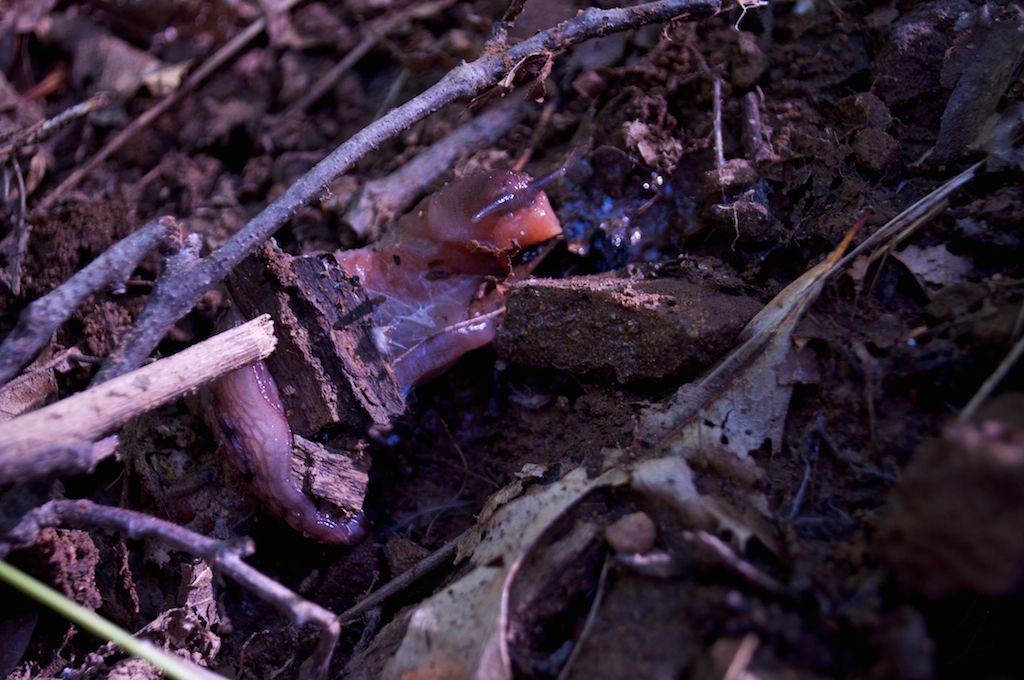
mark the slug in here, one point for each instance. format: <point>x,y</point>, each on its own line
<point>424,277</point>
<point>247,413</point>
<point>428,270</point>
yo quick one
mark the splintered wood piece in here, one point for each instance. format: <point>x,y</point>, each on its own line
<point>339,476</point>
<point>327,365</point>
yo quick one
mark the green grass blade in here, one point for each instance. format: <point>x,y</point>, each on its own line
<point>172,666</point>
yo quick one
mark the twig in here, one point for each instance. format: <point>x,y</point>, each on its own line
<point>744,654</point>
<point>993,381</point>
<point>371,36</point>
<point>216,60</point>
<point>44,128</point>
<point>717,112</point>
<point>716,549</point>
<point>755,137</point>
<point>72,457</point>
<point>402,581</point>
<point>588,624</point>
<point>223,557</point>
<point>19,234</point>
<point>41,318</point>
<point>499,35</point>
<point>88,415</point>
<point>466,80</point>
<point>381,199</point>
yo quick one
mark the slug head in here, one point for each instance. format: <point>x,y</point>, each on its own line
<point>500,210</point>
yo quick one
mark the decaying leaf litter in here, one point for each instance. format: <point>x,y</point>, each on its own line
<point>730,425</point>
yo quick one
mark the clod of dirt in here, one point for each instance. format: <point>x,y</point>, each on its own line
<point>876,150</point>
<point>71,557</point>
<point>639,123</point>
<point>632,328</point>
<point>69,237</point>
<point>958,514</point>
<point>905,67</point>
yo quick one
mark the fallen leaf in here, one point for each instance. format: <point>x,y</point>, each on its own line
<point>934,265</point>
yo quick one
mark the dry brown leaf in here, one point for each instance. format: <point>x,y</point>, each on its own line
<point>934,266</point>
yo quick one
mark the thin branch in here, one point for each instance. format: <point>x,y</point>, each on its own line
<point>371,36</point>
<point>40,319</point>
<point>499,35</point>
<point>396,585</point>
<point>89,415</point>
<point>465,80</point>
<point>44,128</point>
<point>68,458</point>
<point>717,109</point>
<point>381,199</point>
<point>756,138</point>
<point>216,60</point>
<point>992,382</point>
<point>223,557</point>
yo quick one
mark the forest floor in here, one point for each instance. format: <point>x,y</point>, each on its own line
<point>631,481</point>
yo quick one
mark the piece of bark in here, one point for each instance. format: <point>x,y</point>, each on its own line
<point>339,476</point>
<point>633,328</point>
<point>327,365</point>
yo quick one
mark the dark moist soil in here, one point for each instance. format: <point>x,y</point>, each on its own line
<point>901,540</point>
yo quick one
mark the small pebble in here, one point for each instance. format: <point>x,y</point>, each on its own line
<point>633,533</point>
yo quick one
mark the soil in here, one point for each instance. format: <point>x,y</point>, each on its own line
<point>888,540</point>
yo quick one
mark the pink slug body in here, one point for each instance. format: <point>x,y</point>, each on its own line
<point>429,269</point>
<point>250,420</point>
<point>426,274</point>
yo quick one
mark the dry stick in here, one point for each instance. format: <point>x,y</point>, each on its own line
<point>223,557</point>
<point>993,381</point>
<point>466,80</point>
<point>40,319</point>
<point>380,199</point>
<point>755,137</point>
<point>717,109</point>
<point>88,415</point>
<point>74,457</point>
<point>216,60</point>
<point>372,35</point>
<point>44,128</point>
<point>403,580</point>
<point>499,36</point>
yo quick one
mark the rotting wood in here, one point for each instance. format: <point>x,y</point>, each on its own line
<point>339,476</point>
<point>91,414</point>
<point>329,369</point>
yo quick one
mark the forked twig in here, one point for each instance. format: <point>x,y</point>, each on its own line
<point>223,557</point>
<point>40,319</point>
<point>165,307</point>
<point>402,581</point>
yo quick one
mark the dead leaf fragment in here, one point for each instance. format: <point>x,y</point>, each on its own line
<point>934,265</point>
